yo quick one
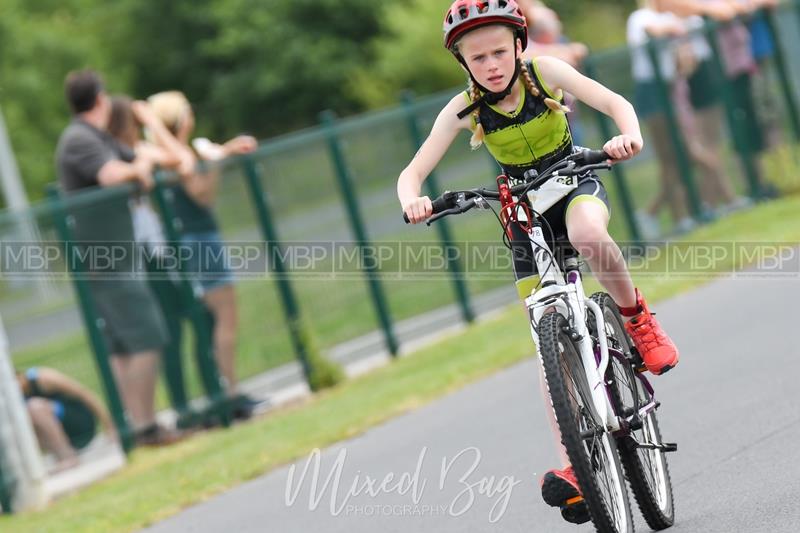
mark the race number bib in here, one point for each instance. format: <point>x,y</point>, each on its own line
<point>551,192</point>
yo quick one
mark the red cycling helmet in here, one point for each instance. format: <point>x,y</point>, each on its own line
<point>466,15</point>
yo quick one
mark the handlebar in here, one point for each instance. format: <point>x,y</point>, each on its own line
<point>457,202</point>
<point>590,157</point>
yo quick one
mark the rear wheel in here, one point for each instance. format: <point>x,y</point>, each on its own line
<point>591,449</point>
<point>646,469</point>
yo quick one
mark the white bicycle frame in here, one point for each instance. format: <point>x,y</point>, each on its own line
<point>569,299</point>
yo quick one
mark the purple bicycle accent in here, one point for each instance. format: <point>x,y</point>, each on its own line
<point>621,357</point>
<point>646,383</point>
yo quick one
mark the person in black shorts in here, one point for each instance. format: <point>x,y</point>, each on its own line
<point>589,188</point>
<point>132,324</point>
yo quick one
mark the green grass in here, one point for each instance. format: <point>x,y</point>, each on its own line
<point>159,483</point>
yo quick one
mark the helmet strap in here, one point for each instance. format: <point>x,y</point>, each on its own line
<point>488,97</point>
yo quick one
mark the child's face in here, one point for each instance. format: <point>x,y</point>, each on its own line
<point>489,54</point>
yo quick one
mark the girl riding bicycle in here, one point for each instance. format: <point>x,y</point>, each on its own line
<point>513,106</point>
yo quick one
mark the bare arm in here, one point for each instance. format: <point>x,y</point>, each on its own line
<point>572,53</point>
<point>666,29</point>
<point>160,156</point>
<point>117,172</point>
<point>718,9</point>
<point>173,151</point>
<point>444,131</point>
<point>202,185</point>
<point>560,76</point>
<point>53,381</point>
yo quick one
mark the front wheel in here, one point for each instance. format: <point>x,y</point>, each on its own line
<point>590,447</point>
<point>646,469</point>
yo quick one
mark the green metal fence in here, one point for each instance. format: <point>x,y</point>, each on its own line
<point>334,187</point>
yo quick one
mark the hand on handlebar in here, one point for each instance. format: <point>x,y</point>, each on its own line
<point>623,147</point>
<point>418,210</point>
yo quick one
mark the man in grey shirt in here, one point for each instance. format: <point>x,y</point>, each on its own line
<point>133,326</point>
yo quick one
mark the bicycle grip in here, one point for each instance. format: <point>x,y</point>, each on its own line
<point>593,157</point>
<point>438,204</point>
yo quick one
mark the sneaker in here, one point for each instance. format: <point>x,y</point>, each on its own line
<point>739,203</point>
<point>241,407</point>
<point>246,406</point>
<point>157,435</point>
<point>656,349</point>
<point>685,225</point>
<point>649,228</point>
<point>560,489</point>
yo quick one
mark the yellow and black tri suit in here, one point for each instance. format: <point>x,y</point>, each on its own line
<point>534,137</point>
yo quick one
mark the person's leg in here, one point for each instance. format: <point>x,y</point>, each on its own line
<point>672,190</point>
<point>135,334</point>
<point>136,376</point>
<point>587,228</point>
<point>716,186</point>
<point>222,303</point>
<point>767,107</point>
<point>50,433</point>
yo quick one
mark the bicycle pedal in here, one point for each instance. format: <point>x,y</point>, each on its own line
<point>636,361</point>
<point>664,447</point>
<point>576,511</point>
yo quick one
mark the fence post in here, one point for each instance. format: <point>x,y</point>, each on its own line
<point>617,170</point>
<point>681,152</point>
<point>316,371</point>
<point>199,316</point>
<point>356,221</point>
<point>735,121</point>
<point>91,321</point>
<point>442,226</point>
<point>783,70</point>
<point>5,493</point>
<point>797,10</point>
<point>169,299</point>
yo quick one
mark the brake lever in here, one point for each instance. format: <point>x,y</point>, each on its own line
<point>457,210</point>
<point>441,214</point>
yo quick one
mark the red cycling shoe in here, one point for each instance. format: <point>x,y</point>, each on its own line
<point>657,350</point>
<point>560,489</point>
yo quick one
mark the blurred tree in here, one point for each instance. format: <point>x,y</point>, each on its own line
<point>256,65</point>
<point>40,41</point>
<point>409,54</point>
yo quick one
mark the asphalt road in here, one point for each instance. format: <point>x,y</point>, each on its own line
<point>729,405</point>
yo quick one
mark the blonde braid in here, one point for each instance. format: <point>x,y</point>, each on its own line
<point>478,135</point>
<point>534,90</point>
<point>528,80</point>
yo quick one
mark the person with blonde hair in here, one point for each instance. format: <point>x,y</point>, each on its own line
<point>514,107</point>
<point>193,200</point>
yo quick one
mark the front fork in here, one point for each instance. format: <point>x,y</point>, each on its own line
<point>569,300</point>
